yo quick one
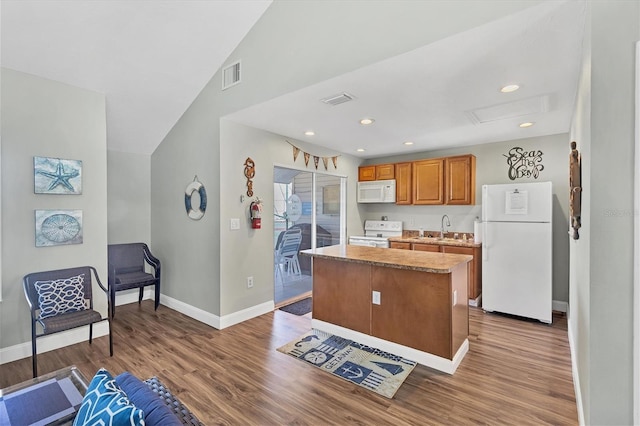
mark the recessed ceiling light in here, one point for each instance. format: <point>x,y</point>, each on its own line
<point>509,88</point>
<point>366,121</point>
<point>309,133</point>
<point>408,143</point>
<point>526,124</point>
<point>360,149</point>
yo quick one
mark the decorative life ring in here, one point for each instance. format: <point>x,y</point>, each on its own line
<point>195,214</point>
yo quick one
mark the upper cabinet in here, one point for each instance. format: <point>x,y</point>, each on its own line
<point>385,171</point>
<point>428,181</point>
<point>366,173</point>
<point>446,180</point>
<point>460,180</point>
<point>376,172</point>
<point>404,193</point>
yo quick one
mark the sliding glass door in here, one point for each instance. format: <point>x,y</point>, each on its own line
<point>309,204</point>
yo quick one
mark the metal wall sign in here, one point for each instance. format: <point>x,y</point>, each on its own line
<point>524,164</point>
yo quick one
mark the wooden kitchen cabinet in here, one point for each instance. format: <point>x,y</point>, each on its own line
<point>403,183</point>
<point>376,172</point>
<point>366,173</point>
<point>385,171</point>
<point>460,180</point>
<point>400,245</point>
<point>426,247</point>
<point>474,288</point>
<point>446,180</point>
<point>428,181</point>
<point>474,275</point>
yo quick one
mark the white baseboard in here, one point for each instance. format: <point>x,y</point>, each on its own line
<point>442,364</point>
<point>52,342</point>
<point>214,320</point>
<point>191,311</point>
<point>246,314</point>
<point>576,376</point>
<point>559,305</point>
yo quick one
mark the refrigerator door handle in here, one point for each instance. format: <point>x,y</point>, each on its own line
<point>485,251</point>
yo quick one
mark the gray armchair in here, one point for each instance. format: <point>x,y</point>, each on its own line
<point>60,300</point>
<point>127,271</point>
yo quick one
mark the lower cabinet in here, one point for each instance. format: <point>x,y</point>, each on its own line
<point>474,287</point>
<point>400,245</point>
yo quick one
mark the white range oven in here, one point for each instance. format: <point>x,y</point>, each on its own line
<point>377,233</point>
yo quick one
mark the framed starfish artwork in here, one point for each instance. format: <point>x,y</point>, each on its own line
<point>57,176</point>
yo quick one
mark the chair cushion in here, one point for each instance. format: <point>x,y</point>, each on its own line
<point>69,320</point>
<point>141,395</point>
<point>106,404</point>
<point>60,296</point>
<point>134,279</point>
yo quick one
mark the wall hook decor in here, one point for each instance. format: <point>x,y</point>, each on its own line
<point>249,173</point>
<point>195,214</point>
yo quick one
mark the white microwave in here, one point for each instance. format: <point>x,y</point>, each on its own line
<point>377,191</point>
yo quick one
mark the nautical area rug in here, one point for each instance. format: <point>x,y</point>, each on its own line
<point>363,365</point>
<point>301,307</point>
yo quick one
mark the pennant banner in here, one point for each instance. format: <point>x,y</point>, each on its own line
<point>316,158</point>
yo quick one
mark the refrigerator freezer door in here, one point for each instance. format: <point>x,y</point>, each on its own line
<point>526,202</point>
<point>517,269</point>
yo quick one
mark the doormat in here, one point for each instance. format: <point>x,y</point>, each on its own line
<point>363,365</point>
<point>301,307</point>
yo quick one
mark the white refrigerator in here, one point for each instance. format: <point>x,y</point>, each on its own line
<point>517,249</point>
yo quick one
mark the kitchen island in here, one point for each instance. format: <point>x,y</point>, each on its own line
<point>409,303</point>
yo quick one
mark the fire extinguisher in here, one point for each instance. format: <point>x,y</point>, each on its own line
<point>255,210</point>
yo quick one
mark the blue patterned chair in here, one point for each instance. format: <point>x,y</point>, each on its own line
<point>61,300</point>
<point>127,271</point>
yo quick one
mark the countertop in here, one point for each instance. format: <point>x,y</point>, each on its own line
<point>439,263</point>
<point>436,241</point>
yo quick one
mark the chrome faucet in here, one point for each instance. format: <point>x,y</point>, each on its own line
<point>442,227</point>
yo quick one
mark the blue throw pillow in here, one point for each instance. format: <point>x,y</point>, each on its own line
<point>142,396</point>
<point>106,404</point>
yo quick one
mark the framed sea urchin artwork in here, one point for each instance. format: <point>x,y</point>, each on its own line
<point>58,227</point>
<point>57,176</point>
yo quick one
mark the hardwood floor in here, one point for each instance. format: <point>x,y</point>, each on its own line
<point>516,372</point>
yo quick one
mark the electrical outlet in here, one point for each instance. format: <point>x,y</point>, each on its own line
<point>249,282</point>
<point>234,223</point>
<point>376,297</point>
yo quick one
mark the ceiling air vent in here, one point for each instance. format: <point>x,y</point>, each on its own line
<point>231,75</point>
<point>338,99</point>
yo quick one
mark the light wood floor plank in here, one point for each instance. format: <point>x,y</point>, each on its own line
<point>516,372</point>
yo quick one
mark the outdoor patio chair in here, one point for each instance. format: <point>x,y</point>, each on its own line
<point>61,300</point>
<point>127,271</point>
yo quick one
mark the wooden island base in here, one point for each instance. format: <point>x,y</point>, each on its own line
<point>412,304</point>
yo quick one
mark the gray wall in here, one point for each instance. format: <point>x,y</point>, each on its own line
<point>281,53</point>
<point>601,321</point>
<point>46,118</point>
<point>249,252</point>
<point>491,168</point>
<point>129,197</point>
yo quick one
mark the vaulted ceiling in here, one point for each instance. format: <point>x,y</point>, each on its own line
<point>152,58</point>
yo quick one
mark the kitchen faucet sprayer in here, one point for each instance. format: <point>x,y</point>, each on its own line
<point>442,225</point>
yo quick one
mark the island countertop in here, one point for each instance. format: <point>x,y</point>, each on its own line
<point>439,263</point>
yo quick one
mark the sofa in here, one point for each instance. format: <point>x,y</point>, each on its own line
<point>125,399</point>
